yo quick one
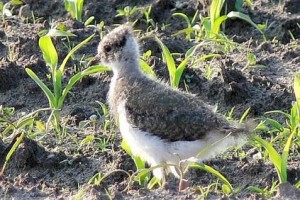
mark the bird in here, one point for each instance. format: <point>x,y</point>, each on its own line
<point>161,124</point>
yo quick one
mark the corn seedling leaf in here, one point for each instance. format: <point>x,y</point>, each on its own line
<point>245,114</point>
<point>215,10</point>
<point>126,147</point>
<point>12,150</point>
<point>168,59</point>
<point>59,33</point>
<point>49,52</point>
<point>297,88</point>
<point>234,14</point>
<point>273,154</point>
<point>226,189</point>
<point>79,8</point>
<point>57,84</point>
<point>185,17</point>
<point>146,68</point>
<point>279,112</point>
<point>274,124</point>
<point>40,126</point>
<point>77,77</point>
<point>179,71</point>
<point>215,28</point>
<point>212,171</point>
<point>89,20</point>
<point>284,157</point>
<point>87,140</point>
<point>42,85</point>
<point>154,181</point>
<point>24,122</point>
<point>62,66</point>
<point>9,128</point>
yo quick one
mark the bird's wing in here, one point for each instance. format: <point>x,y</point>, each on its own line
<point>172,115</point>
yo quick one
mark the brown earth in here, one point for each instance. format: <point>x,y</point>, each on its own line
<point>58,168</point>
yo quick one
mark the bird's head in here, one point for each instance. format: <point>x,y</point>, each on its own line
<point>119,50</point>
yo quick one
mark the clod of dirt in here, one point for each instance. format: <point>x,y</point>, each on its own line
<point>292,6</point>
<point>29,154</point>
<point>286,191</point>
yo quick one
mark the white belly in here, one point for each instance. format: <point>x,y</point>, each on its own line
<point>156,151</point>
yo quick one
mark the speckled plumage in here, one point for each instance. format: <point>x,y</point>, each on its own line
<point>155,117</point>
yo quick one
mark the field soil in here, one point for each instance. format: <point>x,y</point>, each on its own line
<point>52,167</point>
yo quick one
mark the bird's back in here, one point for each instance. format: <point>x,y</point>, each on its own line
<point>163,111</point>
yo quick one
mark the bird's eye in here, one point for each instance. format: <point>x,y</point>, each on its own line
<point>107,48</point>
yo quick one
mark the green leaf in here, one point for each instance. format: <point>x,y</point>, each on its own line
<point>245,114</point>
<point>275,124</point>
<point>40,126</point>
<point>24,122</point>
<point>215,9</point>
<point>57,84</point>
<point>239,5</point>
<point>154,181</point>
<point>284,157</point>
<point>212,171</point>
<point>87,140</point>
<point>89,20</point>
<point>273,155</point>
<point>168,59</point>
<point>297,89</point>
<point>79,9</point>
<point>12,150</point>
<point>49,52</point>
<point>146,68</point>
<point>16,2</point>
<point>179,70</point>
<point>185,17</point>
<point>234,14</point>
<point>126,147</point>
<point>59,33</point>
<point>45,89</point>
<point>226,189</point>
<point>62,66</point>
<point>216,26</point>
<point>77,77</point>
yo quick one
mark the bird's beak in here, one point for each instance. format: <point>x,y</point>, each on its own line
<point>95,61</point>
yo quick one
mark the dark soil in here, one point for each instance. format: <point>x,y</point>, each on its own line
<point>55,168</point>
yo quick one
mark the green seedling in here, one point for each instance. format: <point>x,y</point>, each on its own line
<point>89,21</point>
<point>56,98</point>
<point>149,21</point>
<point>99,177</point>
<point>267,192</point>
<point>18,129</point>
<point>75,8</point>
<point>13,149</point>
<point>129,13</point>
<point>212,24</point>
<point>145,67</point>
<point>175,73</point>
<point>139,163</point>
<point>293,124</point>
<point>56,30</point>
<point>192,27</point>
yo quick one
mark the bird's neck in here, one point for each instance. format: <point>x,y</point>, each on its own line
<point>130,68</point>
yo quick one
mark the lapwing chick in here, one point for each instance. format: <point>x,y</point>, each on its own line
<point>159,123</point>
